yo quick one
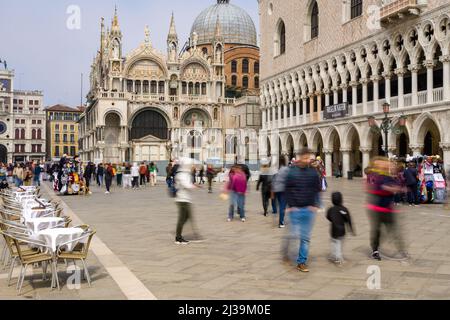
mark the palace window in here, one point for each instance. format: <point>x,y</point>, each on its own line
<point>280,39</point>
<point>234,66</point>
<point>356,8</point>
<point>245,66</point>
<point>66,150</point>
<point>204,89</point>
<point>33,134</point>
<point>256,82</point>
<point>245,82</point>
<point>315,21</point>
<point>22,134</point>
<point>57,151</point>
<point>256,67</point>
<point>234,81</point>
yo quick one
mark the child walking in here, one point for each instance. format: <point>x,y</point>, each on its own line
<point>339,216</point>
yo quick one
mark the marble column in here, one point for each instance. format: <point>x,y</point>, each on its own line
<point>291,112</point>
<point>376,92</point>
<point>446,149</point>
<point>285,114</point>
<point>304,110</point>
<point>354,86</point>
<point>446,63</point>
<point>364,83</point>
<point>414,83</point>
<point>365,158</point>
<point>264,119</point>
<point>345,162</point>
<point>416,149</point>
<point>401,96</point>
<point>387,80</point>
<point>328,162</point>
<point>430,64</point>
<point>335,95</point>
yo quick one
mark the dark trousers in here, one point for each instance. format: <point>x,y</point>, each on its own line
<point>143,178</point>
<point>184,214</point>
<point>265,201</point>
<point>280,199</point>
<point>412,194</point>
<point>108,182</point>
<point>87,181</point>
<point>135,182</point>
<point>119,179</point>
<point>210,181</point>
<point>377,219</point>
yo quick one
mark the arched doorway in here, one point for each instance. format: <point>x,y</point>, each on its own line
<point>403,145</point>
<point>355,154</point>
<point>290,148</point>
<point>149,123</point>
<point>430,136</point>
<point>112,136</point>
<point>303,141</point>
<point>269,148</point>
<point>317,146</point>
<point>336,158</point>
<point>3,154</point>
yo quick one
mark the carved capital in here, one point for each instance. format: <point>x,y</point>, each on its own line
<point>326,91</point>
<point>365,149</point>
<point>346,150</point>
<point>387,75</point>
<point>445,59</point>
<point>429,64</point>
<point>376,78</point>
<point>401,72</point>
<point>364,81</point>
<point>445,146</point>
<point>414,68</point>
<point>327,151</point>
<point>354,83</point>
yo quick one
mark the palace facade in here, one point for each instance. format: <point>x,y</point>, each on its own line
<point>359,54</point>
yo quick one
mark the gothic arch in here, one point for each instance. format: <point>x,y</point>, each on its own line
<point>422,125</point>
<point>149,121</point>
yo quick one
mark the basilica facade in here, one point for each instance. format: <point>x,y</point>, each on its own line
<point>152,106</point>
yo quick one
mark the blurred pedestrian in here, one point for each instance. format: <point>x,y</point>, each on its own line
<point>265,184</point>
<point>237,187</point>
<point>278,190</point>
<point>109,175</point>
<point>143,170</point>
<point>153,174</point>
<point>302,187</point>
<point>210,174</point>
<point>339,216</point>
<point>381,207</point>
<point>135,176</point>
<point>100,174</point>
<point>411,181</point>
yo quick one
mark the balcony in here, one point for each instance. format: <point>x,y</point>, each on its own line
<point>394,10</point>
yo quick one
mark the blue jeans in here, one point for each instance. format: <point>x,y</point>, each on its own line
<point>281,200</point>
<point>37,181</point>
<point>237,199</point>
<point>302,222</point>
<point>19,182</point>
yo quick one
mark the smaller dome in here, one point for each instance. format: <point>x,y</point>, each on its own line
<point>237,26</point>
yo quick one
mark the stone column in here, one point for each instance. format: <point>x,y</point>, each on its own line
<point>328,162</point>
<point>285,113</point>
<point>311,107</point>
<point>401,96</point>
<point>327,97</point>
<point>446,63</point>
<point>354,96</point>
<point>414,83</point>
<point>387,77</point>
<point>376,92</point>
<point>298,107</point>
<point>345,162</point>
<point>429,64</point>
<point>280,119</point>
<point>274,122</point>
<point>264,119</point>
<point>335,95</point>
<point>446,148</point>
<point>291,112</point>
<point>344,88</point>
<point>364,83</point>
<point>304,109</point>
<point>365,158</point>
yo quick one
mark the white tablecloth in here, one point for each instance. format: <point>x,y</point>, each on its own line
<point>36,225</point>
<point>30,213</point>
<point>55,237</point>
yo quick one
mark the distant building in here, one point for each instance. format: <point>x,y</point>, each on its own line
<point>62,131</point>
<point>22,122</point>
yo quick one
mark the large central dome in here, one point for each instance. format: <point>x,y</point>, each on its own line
<point>236,25</point>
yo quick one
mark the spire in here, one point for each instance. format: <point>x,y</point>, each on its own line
<point>218,31</point>
<point>173,36</point>
<point>115,23</point>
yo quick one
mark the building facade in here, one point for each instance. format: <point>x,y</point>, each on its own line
<point>321,56</point>
<point>22,122</point>
<point>62,131</point>
<point>153,106</point>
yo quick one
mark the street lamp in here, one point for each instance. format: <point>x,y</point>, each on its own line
<point>386,125</point>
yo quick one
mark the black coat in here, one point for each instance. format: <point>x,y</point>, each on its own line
<point>339,217</point>
<point>265,181</point>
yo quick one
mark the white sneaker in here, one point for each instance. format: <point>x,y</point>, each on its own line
<point>228,220</point>
<point>243,220</point>
<point>107,192</point>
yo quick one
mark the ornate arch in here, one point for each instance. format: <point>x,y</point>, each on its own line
<point>328,142</point>
<point>419,130</point>
<point>194,60</point>
<point>114,111</point>
<point>347,143</point>
<point>136,59</point>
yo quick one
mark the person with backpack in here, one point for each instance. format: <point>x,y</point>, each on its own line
<point>100,174</point>
<point>265,184</point>
<point>210,174</point>
<point>109,175</point>
<point>143,174</point>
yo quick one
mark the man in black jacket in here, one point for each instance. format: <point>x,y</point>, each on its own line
<point>302,195</point>
<point>411,181</point>
<point>339,216</point>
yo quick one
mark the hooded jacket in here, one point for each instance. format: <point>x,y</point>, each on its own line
<point>339,216</point>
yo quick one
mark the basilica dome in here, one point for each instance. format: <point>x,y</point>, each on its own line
<point>237,26</point>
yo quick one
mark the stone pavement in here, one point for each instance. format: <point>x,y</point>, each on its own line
<point>242,260</point>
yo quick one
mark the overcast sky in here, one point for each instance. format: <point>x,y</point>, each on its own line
<point>46,55</point>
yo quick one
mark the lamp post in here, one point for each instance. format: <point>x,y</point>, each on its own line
<point>386,126</point>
